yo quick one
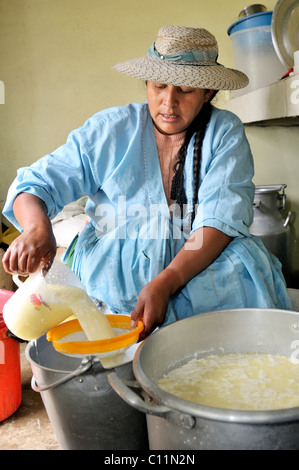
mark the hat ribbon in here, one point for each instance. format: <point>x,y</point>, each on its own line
<point>187,56</point>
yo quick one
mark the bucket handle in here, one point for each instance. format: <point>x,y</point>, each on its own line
<point>83,367</point>
<point>122,388</point>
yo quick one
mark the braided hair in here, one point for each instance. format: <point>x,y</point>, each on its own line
<point>199,126</point>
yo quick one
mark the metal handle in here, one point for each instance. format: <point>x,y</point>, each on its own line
<point>288,218</point>
<point>282,197</point>
<point>121,387</point>
<point>84,366</point>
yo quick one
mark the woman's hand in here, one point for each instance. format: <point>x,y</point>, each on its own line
<point>151,307</point>
<point>153,301</point>
<point>36,246</point>
<point>32,249</point>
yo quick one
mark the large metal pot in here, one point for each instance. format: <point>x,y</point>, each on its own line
<point>174,423</point>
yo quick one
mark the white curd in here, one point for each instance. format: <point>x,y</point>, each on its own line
<point>237,382</point>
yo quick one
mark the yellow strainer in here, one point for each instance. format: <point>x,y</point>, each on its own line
<point>95,347</point>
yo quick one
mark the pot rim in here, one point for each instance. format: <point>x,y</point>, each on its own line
<point>30,346</point>
<point>163,398</point>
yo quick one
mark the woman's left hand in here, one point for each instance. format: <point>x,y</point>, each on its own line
<point>151,306</point>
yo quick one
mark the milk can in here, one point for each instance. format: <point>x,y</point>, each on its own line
<point>270,225</point>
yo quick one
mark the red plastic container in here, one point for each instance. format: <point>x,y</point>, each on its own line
<point>10,369</point>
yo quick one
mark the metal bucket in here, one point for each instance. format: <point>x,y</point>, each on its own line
<point>85,412</point>
<point>174,423</point>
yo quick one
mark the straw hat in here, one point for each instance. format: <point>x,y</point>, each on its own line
<point>184,56</point>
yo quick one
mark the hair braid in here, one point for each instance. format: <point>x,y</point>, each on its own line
<point>205,118</point>
<point>199,126</point>
<point>177,185</point>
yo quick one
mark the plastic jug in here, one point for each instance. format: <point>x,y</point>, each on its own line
<point>254,52</point>
<point>35,307</point>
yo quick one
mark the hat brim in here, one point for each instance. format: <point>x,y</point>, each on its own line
<point>212,77</point>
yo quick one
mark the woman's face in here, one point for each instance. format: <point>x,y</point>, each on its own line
<point>173,108</point>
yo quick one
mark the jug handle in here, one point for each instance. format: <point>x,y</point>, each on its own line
<point>16,280</point>
<point>122,388</point>
<point>19,283</point>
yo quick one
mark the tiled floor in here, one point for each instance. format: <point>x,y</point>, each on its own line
<point>29,427</point>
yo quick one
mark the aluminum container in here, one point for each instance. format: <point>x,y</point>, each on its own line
<point>85,412</point>
<point>174,423</point>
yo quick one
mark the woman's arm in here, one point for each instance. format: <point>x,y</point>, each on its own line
<point>202,248</point>
<point>37,243</point>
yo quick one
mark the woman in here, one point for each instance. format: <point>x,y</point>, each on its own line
<point>170,195</point>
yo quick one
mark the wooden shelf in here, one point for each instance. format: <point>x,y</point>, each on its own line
<point>276,104</point>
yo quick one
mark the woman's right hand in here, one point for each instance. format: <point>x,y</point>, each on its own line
<point>31,250</point>
<point>36,246</point>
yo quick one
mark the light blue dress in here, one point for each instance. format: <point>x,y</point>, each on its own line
<point>131,237</point>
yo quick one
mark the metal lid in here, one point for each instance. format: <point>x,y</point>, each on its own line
<point>252,9</point>
<point>284,29</point>
<point>252,21</point>
<point>271,188</point>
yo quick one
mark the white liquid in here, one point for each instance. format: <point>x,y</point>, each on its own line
<point>93,322</point>
<point>33,317</point>
<point>237,381</point>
